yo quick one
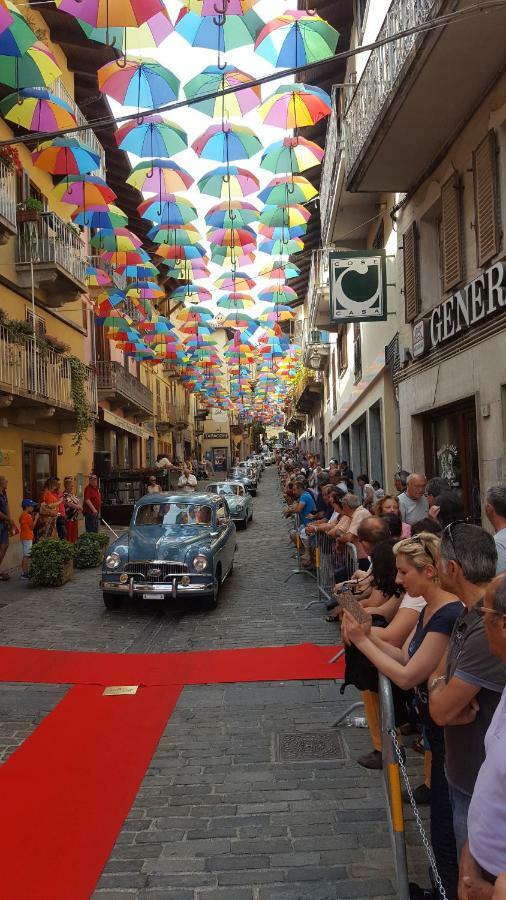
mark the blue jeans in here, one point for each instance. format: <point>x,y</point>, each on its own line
<point>459,802</point>
<point>91,522</point>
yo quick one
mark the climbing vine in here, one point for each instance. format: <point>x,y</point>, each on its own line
<point>78,378</point>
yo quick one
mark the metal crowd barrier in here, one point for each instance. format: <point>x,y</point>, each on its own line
<point>299,551</point>
<point>329,558</point>
<point>392,785</point>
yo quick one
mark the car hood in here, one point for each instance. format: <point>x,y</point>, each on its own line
<point>166,542</point>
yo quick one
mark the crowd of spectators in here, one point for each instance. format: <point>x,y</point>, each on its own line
<point>432,585</point>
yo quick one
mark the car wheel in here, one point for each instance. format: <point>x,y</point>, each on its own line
<point>112,601</point>
<point>243,524</point>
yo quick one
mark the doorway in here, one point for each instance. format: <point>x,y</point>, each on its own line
<point>39,464</point>
<point>451,451</point>
<point>220,455</point>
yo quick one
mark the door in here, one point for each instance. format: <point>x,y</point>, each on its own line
<point>451,451</point>
<point>39,464</point>
<point>220,459</point>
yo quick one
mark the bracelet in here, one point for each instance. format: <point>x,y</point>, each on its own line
<point>436,681</point>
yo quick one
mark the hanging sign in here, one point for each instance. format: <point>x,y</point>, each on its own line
<point>357,281</point>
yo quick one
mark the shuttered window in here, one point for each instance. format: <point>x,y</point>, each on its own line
<point>451,234</point>
<point>411,273</point>
<point>486,199</point>
<point>342,351</point>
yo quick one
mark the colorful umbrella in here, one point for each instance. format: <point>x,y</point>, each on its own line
<point>153,137</point>
<point>95,277</point>
<point>105,13</point>
<point>115,239</point>
<point>65,156</point>
<point>159,176</point>
<point>36,68</point>
<point>280,269</point>
<point>83,190</point>
<point>239,238</point>
<point>145,290</point>
<point>287,189</point>
<point>235,281</point>
<point>226,143</point>
<point>119,258</point>
<point>208,7</point>
<point>214,80</point>
<point>16,36</point>
<point>37,109</point>
<point>110,217</point>
<point>238,319</point>
<point>281,232</point>
<point>296,38</point>
<point>171,209</point>
<point>179,253</point>
<point>292,154</point>
<point>235,300</point>
<point>216,34</point>
<point>231,213</point>
<point>277,314</point>
<point>293,245</point>
<point>186,269</point>
<point>279,216</point>
<point>150,34</point>
<point>232,180</point>
<point>140,82</point>
<point>139,270</point>
<point>276,293</point>
<point>295,105</point>
<point>192,293</point>
<point>228,256</point>
<point>5,16</point>
<point>174,234</point>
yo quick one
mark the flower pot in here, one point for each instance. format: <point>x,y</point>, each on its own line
<point>27,215</point>
<point>66,572</point>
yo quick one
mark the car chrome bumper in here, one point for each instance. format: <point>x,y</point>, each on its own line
<point>171,589</point>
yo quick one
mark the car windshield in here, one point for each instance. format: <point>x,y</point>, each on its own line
<point>238,472</point>
<point>173,514</point>
<point>227,489</point>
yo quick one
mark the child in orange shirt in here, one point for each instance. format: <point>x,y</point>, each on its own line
<point>26,524</point>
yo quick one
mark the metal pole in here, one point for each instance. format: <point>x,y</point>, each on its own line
<point>392,785</point>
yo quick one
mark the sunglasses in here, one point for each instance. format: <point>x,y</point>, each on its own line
<point>481,610</point>
<point>448,529</point>
<point>418,540</point>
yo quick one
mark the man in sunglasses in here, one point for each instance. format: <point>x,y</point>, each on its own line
<point>484,856</point>
<point>465,689</point>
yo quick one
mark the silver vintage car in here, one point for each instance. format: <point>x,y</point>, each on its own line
<point>238,499</point>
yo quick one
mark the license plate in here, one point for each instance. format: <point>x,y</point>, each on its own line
<point>153,596</point>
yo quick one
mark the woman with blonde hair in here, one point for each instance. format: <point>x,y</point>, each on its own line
<point>389,506</point>
<point>411,666</point>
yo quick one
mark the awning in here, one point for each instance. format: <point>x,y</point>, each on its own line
<point>117,422</point>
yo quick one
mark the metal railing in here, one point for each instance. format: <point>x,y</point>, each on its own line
<point>314,340</point>
<point>100,263</point>
<point>318,281</point>
<point>381,74</point>
<point>331,161</point>
<point>50,240</point>
<point>167,415</point>
<point>88,137</point>
<point>113,378</point>
<point>8,194</point>
<point>27,369</point>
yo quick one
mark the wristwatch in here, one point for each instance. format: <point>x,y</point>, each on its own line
<point>435,681</point>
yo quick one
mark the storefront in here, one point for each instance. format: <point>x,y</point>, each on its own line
<point>450,444</point>
<point>125,444</point>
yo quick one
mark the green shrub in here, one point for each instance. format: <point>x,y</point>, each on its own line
<point>47,562</point>
<point>88,549</point>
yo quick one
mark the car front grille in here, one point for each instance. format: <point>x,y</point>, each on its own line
<point>155,572</point>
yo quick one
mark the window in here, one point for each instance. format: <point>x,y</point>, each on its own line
<point>411,273</point>
<point>221,514</point>
<point>334,381</point>
<point>38,323</point>
<point>342,351</point>
<point>486,199</point>
<point>452,269</point>
<point>357,351</point>
<point>157,393</point>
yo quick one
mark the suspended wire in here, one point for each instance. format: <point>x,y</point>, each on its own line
<point>438,22</point>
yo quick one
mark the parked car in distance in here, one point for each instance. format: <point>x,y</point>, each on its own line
<point>238,499</point>
<point>177,546</point>
<point>246,476</point>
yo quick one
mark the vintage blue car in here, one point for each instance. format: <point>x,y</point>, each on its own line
<point>177,546</point>
<point>238,499</point>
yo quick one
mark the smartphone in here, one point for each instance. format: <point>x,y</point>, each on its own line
<point>348,602</point>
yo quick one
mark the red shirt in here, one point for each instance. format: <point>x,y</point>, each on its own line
<point>94,496</point>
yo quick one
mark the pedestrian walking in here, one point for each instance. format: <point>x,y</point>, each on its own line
<point>5,525</point>
<point>73,507</point>
<point>92,504</point>
<point>27,522</point>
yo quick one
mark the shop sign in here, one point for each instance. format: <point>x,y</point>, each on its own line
<point>124,424</point>
<point>215,435</point>
<point>357,282</point>
<point>481,298</point>
<point>5,457</point>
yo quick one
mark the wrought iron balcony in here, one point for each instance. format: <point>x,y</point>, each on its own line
<point>123,389</point>
<point>51,251</point>
<point>167,416</point>
<point>315,343</point>
<point>36,382</point>
<point>88,137</point>
<point>318,296</point>
<point>8,226</point>
<point>331,162</point>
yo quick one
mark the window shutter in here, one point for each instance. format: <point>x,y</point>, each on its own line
<point>451,233</point>
<point>411,270</point>
<point>486,199</point>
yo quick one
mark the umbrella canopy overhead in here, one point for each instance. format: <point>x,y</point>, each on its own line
<point>83,190</point>
<point>227,143</point>
<point>37,109</point>
<point>65,156</point>
<point>110,217</point>
<point>295,105</point>
<point>171,210</point>
<point>153,137</point>
<point>106,13</point>
<point>207,32</point>
<point>150,34</point>
<point>159,176</point>
<point>292,154</point>
<point>227,181</point>
<point>37,67</point>
<point>231,213</point>
<point>16,36</point>
<point>214,80</point>
<point>140,82</point>
<point>296,38</point>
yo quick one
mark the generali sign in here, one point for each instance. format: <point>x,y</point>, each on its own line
<point>478,300</point>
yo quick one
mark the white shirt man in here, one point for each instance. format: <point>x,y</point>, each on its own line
<point>413,504</point>
<point>187,482</point>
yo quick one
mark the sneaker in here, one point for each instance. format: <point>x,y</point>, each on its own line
<point>421,795</point>
<point>371,760</point>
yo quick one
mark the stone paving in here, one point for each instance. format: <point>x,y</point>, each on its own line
<point>220,812</point>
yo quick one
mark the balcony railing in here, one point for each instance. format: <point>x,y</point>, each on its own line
<point>7,197</point>
<point>50,240</point>
<point>317,282</point>
<point>381,73</point>
<point>104,264</point>
<point>113,380</point>
<point>27,370</point>
<point>88,137</point>
<point>167,416</point>
<point>330,166</point>
<point>314,341</point>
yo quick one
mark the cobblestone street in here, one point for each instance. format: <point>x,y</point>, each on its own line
<point>226,810</point>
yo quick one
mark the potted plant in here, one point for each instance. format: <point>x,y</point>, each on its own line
<point>10,156</point>
<point>89,549</point>
<point>51,563</point>
<point>48,342</point>
<point>29,210</point>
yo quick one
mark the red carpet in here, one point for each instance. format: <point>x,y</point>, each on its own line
<point>67,790</point>
<point>298,663</point>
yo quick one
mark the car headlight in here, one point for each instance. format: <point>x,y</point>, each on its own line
<point>112,561</point>
<point>200,563</point>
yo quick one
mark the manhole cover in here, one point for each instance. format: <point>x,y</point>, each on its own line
<point>316,745</point>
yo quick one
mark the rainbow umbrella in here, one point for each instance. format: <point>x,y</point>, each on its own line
<point>158,325</point>
<point>65,156</point>
<point>231,213</point>
<point>186,269</point>
<point>277,314</point>
<point>296,38</point>
<point>36,68</point>
<point>287,189</point>
<point>234,281</point>
<point>119,258</point>
<point>238,319</point>
<point>292,154</point>
<point>110,217</point>
<point>193,293</point>
<point>96,277</point>
<point>106,13</point>
<point>37,109</point>
<point>140,82</point>
<point>279,216</point>
<point>150,34</point>
<point>281,232</point>
<point>116,239</point>
<point>226,143</point>
<point>5,16</point>
<point>83,190</point>
<point>182,252</point>
<point>275,293</point>
<point>145,290</point>
<point>214,80</point>
<point>222,34</point>
<point>240,238</point>
<point>235,300</point>
<point>174,234</point>
<point>226,180</point>
<point>138,271</point>
<point>154,136</point>
<point>227,256</point>
<point>159,176</point>
<point>273,248</point>
<point>295,105</point>
<point>171,209</point>
<point>208,7</point>
<point>16,36</point>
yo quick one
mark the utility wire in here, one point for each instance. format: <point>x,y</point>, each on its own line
<point>439,22</point>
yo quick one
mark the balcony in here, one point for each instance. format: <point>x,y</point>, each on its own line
<point>123,390</point>
<point>118,280</point>
<point>308,393</point>
<point>416,92</point>
<point>88,137</point>
<point>8,226</point>
<point>35,383</point>
<point>52,252</point>
<point>167,417</point>
<point>330,167</point>
<point>318,291</point>
<point>315,346</point>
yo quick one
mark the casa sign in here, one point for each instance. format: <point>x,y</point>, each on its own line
<point>357,284</point>
<point>481,298</point>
